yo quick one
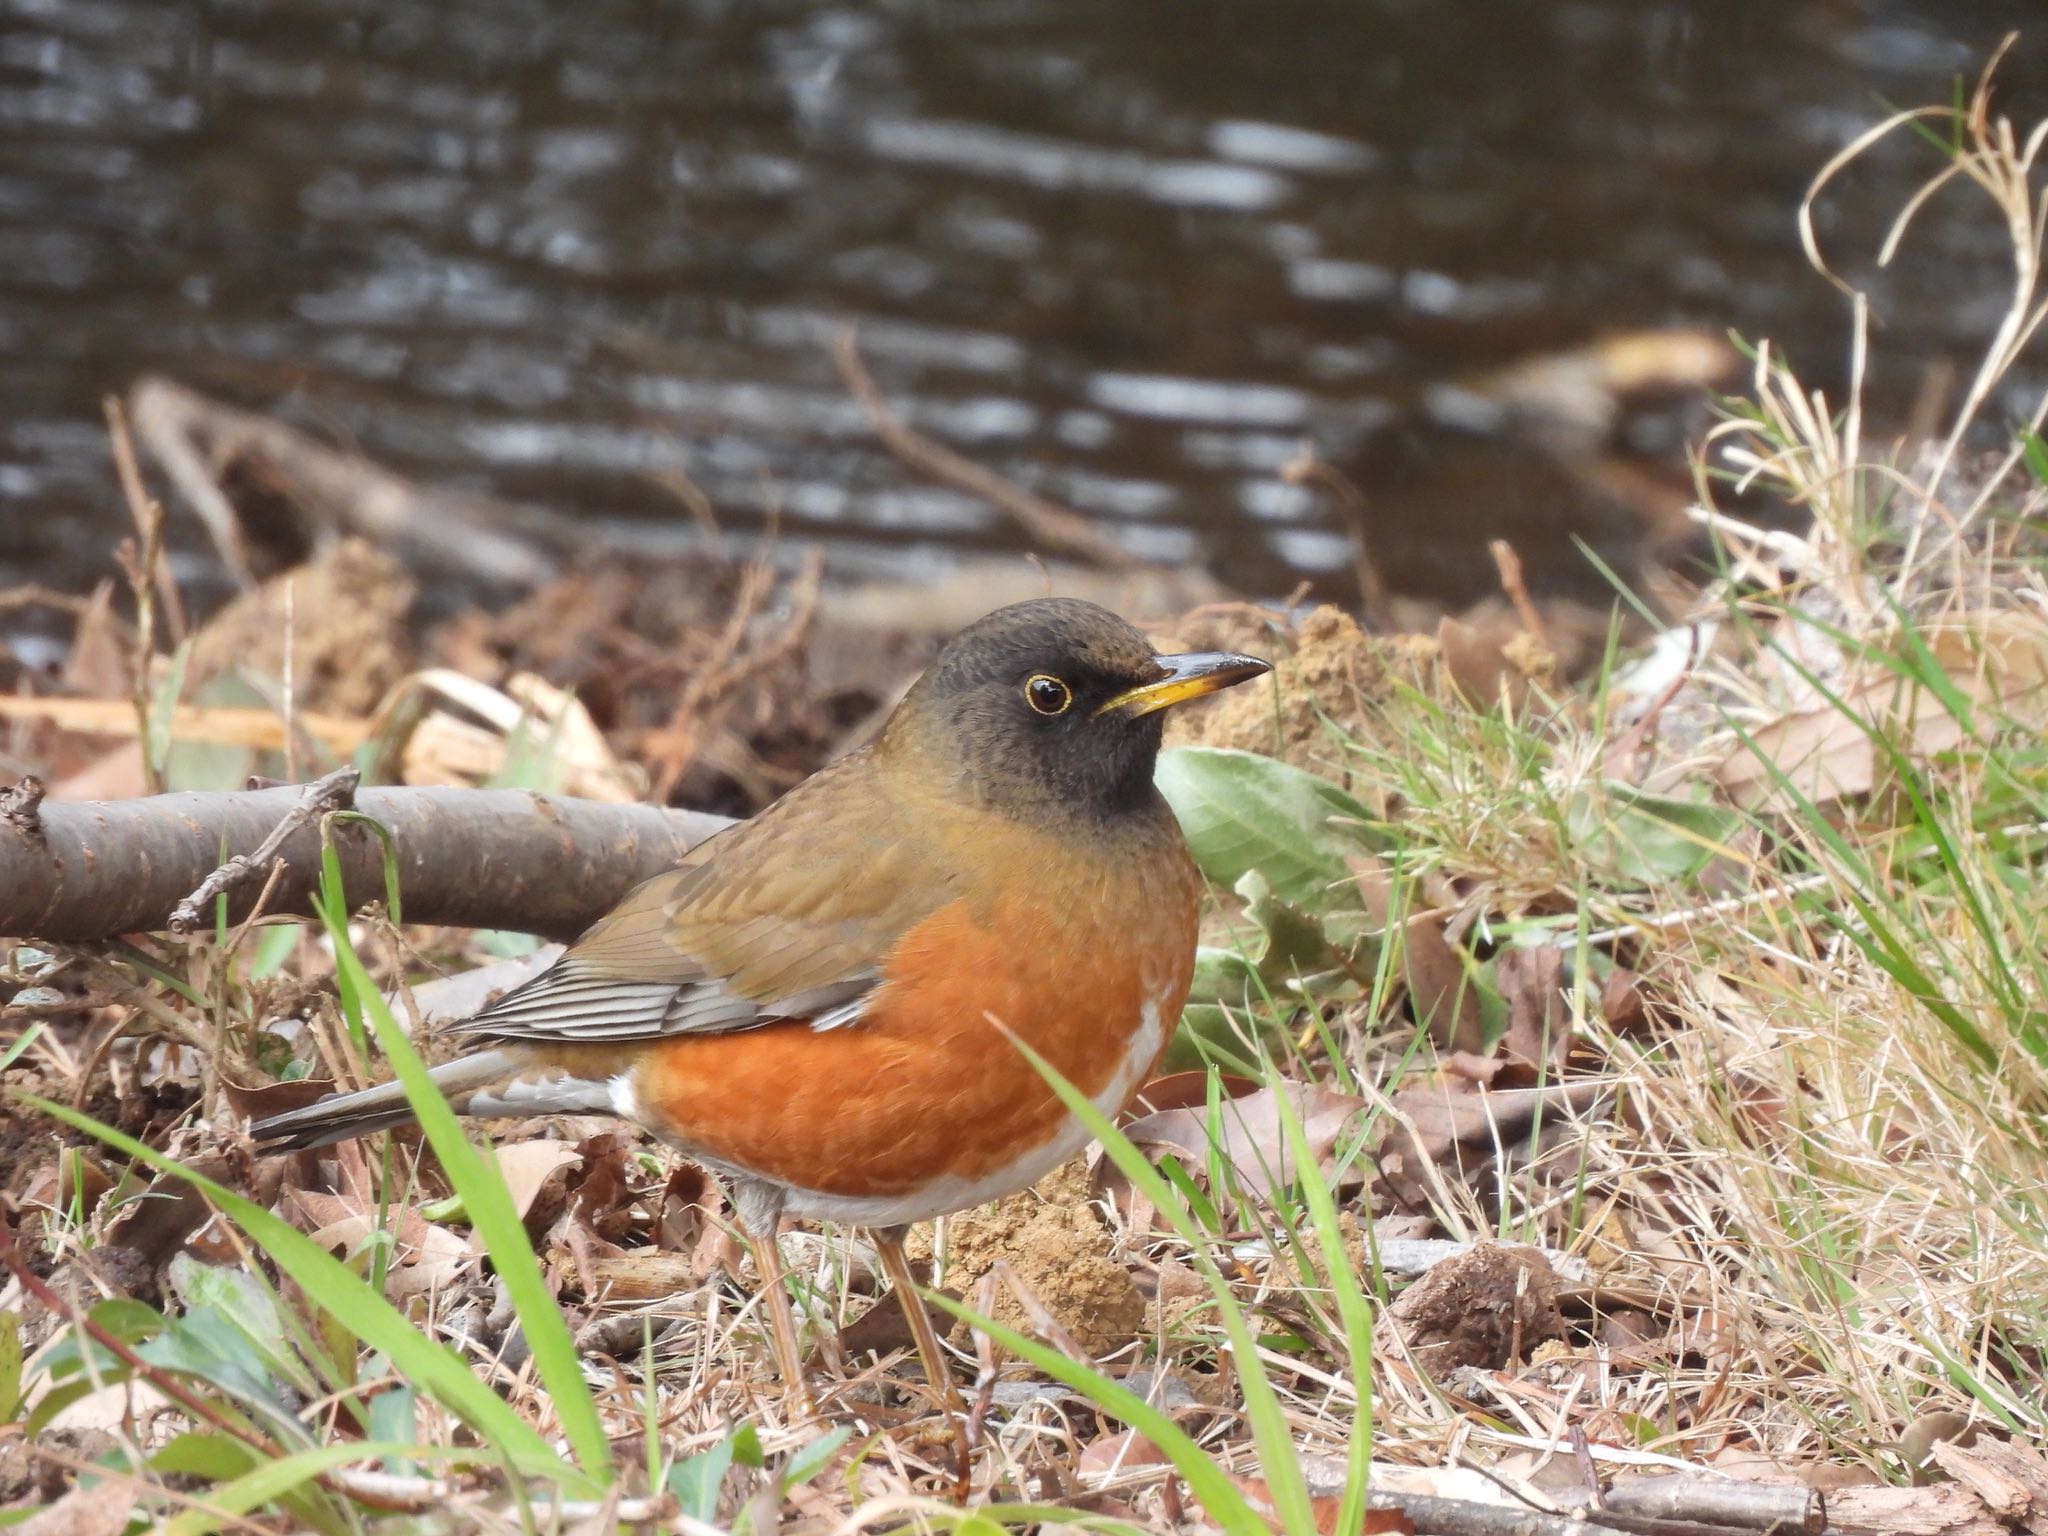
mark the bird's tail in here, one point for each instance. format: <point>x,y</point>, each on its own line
<point>342,1115</point>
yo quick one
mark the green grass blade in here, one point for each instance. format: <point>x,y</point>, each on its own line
<point>274,1479</point>
<point>487,1200</point>
<point>1278,1457</point>
<point>333,1285</point>
<point>1205,1479</point>
<point>1352,1308</point>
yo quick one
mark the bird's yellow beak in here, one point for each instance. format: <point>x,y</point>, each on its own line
<point>1187,677</point>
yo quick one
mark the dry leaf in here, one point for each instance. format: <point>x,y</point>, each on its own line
<point>1439,991</point>
<point>1996,660</point>
<point>100,1508</point>
<point>1459,1129</point>
<point>1253,1138</point>
<point>1538,1037</point>
<point>1117,1453</point>
<point>527,1165</point>
<point>435,745</point>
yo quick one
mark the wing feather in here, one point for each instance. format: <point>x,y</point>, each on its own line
<point>788,916</point>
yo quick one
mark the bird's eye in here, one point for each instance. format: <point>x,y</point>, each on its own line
<point>1047,694</point>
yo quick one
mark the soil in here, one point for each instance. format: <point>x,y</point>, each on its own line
<point>1328,672</point>
<point>1332,678</point>
<point>1487,1307</point>
<point>1053,1241</point>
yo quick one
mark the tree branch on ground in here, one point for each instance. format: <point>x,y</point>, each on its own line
<point>475,858</point>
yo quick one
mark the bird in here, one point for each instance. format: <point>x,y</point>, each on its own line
<point>821,1003</point>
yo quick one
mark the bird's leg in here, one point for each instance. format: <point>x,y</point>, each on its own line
<point>896,1265</point>
<point>760,1213</point>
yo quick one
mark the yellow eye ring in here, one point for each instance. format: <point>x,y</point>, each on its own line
<point>1047,695</point>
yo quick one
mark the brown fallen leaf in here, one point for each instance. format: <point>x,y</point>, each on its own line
<point>1997,660</point>
<point>1451,1132</point>
<point>1119,1453</point>
<point>98,1508</point>
<point>258,1101</point>
<point>425,1255</point>
<point>1539,1035</point>
<point>1439,991</point>
<point>1622,1003</point>
<point>1326,1508</point>
<point>1253,1137</point>
<point>1183,1090</point>
<point>527,1165</point>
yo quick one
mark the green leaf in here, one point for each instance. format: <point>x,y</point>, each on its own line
<point>246,1306</point>
<point>212,765</point>
<point>746,1447</point>
<point>394,1414</point>
<point>696,1480</point>
<point>10,1366</point>
<point>807,1461</point>
<point>127,1319</point>
<point>20,1044</point>
<point>156,729</point>
<point>212,1456</point>
<point>274,943</point>
<point>2036,453</point>
<point>1241,811</point>
<point>205,1346</point>
<point>1643,838</point>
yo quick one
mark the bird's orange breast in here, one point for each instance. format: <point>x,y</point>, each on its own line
<point>924,1086</point>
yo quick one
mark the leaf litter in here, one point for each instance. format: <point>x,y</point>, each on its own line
<point>1649,1003</point>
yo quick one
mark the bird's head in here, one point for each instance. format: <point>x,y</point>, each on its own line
<point>1054,702</point>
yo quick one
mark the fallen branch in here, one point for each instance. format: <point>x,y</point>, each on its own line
<point>1719,1501</point>
<point>335,792</point>
<point>203,447</point>
<point>475,858</point>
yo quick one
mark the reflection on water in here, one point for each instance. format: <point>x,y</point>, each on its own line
<point>1129,255</point>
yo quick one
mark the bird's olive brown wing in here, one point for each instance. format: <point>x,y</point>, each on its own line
<point>788,916</point>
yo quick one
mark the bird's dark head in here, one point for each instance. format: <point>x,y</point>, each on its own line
<point>1055,702</point>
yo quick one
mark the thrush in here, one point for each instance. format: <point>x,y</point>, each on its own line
<point>817,1003</point>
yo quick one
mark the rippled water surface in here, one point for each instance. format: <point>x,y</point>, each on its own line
<point>1130,254</point>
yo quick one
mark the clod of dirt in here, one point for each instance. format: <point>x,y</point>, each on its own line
<point>1486,1307</point>
<point>348,611</point>
<point>1326,667</point>
<point>1330,674</point>
<point>1052,1240</point>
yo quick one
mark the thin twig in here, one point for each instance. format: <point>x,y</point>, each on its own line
<point>148,513</point>
<point>1049,523</point>
<point>140,564</point>
<point>333,792</point>
<point>1509,564</point>
<point>1305,468</point>
<point>21,805</point>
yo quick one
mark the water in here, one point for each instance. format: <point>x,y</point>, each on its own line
<point>1130,255</point>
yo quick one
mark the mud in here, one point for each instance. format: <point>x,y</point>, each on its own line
<point>1052,1239</point>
